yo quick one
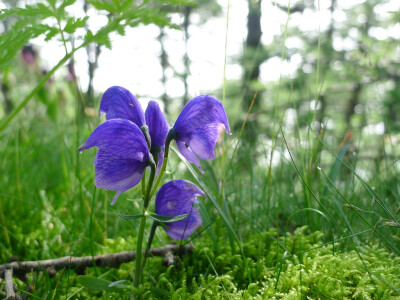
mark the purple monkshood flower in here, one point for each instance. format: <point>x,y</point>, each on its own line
<point>119,103</point>
<point>177,198</point>
<point>197,128</point>
<point>122,156</point>
<point>158,130</point>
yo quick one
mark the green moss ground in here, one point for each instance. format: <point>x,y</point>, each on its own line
<point>307,269</point>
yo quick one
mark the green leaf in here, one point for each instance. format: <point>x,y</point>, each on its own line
<point>126,4</point>
<point>121,30</point>
<point>12,41</point>
<point>131,217</point>
<point>73,24</point>
<point>103,39</point>
<point>99,284</point>
<point>103,5</point>
<point>117,5</point>
<point>49,31</point>
<point>165,219</point>
<point>63,5</point>
<point>334,172</point>
<point>39,11</point>
<point>117,283</point>
<point>52,2</point>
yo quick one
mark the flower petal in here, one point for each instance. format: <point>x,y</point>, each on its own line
<point>119,103</point>
<point>121,138</point>
<point>181,230</point>
<point>199,112</point>
<point>202,141</point>
<point>117,173</point>
<point>158,125</point>
<point>176,198</point>
<point>188,154</point>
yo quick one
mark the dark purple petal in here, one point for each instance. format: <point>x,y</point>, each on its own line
<point>188,154</point>
<point>182,230</point>
<point>202,141</point>
<point>119,103</point>
<point>121,138</point>
<point>197,128</point>
<point>158,125</point>
<point>176,198</point>
<point>122,156</point>
<point>199,112</point>
<point>117,173</point>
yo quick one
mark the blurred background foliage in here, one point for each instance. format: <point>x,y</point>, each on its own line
<point>319,147</point>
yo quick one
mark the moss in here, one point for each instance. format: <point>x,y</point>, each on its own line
<point>307,270</point>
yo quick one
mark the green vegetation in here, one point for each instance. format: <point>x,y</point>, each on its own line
<point>294,266</point>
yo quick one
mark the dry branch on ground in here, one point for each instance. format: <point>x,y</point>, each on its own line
<point>79,264</point>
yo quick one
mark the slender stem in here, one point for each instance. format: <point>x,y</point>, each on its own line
<point>147,196</point>
<point>164,167</point>
<point>149,242</point>
<point>144,183</point>
<point>139,253</point>
<point>171,135</point>
<point>139,250</point>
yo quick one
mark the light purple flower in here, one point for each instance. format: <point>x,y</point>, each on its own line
<point>197,128</point>
<point>177,198</point>
<point>158,129</point>
<point>119,103</point>
<point>122,157</point>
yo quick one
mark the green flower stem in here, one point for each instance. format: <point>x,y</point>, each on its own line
<point>171,136</point>
<point>144,183</point>
<point>145,130</point>
<point>139,254</point>
<point>149,242</point>
<point>147,196</point>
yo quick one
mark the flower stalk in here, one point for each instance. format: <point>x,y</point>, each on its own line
<point>138,268</point>
<point>149,242</point>
<point>171,136</point>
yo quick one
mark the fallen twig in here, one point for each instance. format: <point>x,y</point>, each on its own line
<point>10,287</point>
<point>81,263</point>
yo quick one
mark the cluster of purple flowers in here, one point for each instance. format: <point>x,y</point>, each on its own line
<point>130,140</point>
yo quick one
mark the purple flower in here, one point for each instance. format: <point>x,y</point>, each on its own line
<point>177,198</point>
<point>158,129</point>
<point>197,128</point>
<point>119,103</point>
<point>122,157</point>
<point>71,76</point>
<point>29,54</point>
